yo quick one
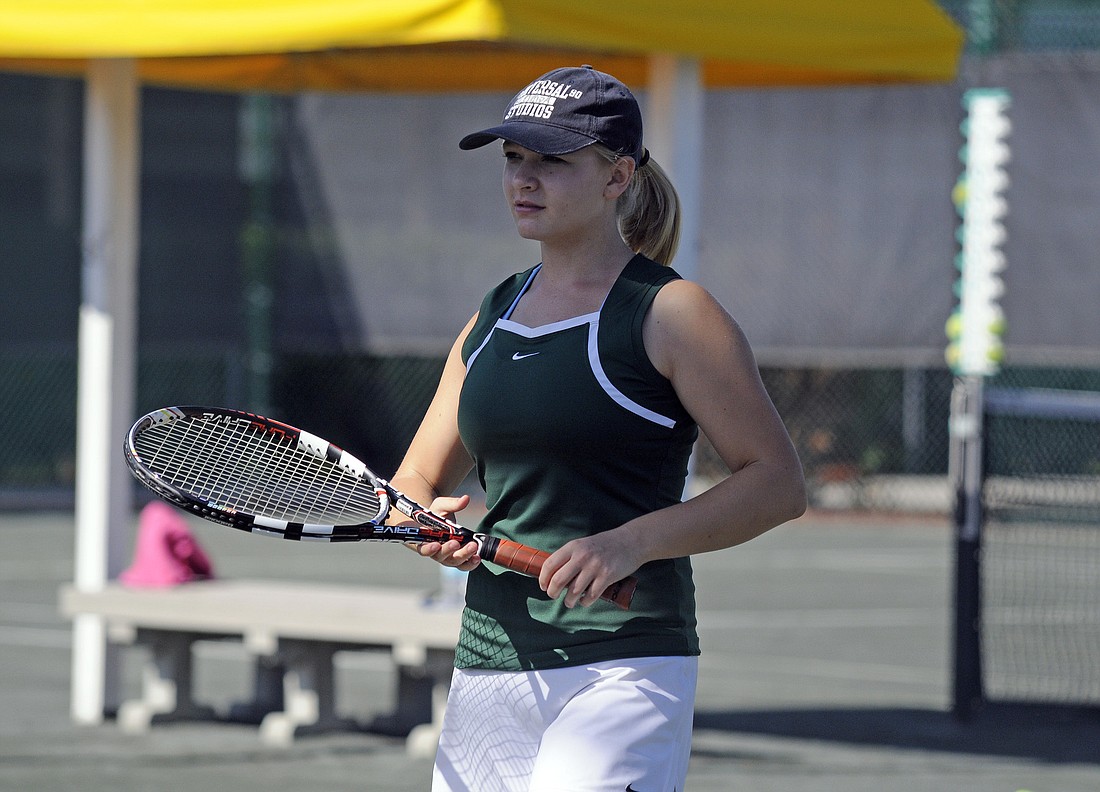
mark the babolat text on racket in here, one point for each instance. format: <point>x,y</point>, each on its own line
<point>263,476</point>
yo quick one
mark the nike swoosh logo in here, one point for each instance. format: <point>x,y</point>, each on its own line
<point>522,355</point>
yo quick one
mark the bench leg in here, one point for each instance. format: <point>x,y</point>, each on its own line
<point>267,691</point>
<point>309,693</point>
<point>423,739</point>
<point>413,693</point>
<point>166,684</point>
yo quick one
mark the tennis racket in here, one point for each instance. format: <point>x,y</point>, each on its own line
<point>262,476</point>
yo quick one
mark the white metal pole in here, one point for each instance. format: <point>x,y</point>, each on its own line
<point>105,379</point>
<point>674,136</point>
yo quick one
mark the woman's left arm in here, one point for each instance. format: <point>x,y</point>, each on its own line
<point>694,342</point>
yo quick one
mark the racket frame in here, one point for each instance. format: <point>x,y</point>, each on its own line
<point>428,527</point>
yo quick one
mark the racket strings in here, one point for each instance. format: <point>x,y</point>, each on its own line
<point>239,465</point>
<point>331,484</point>
<point>196,456</point>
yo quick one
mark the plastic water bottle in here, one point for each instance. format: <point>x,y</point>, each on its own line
<point>452,587</point>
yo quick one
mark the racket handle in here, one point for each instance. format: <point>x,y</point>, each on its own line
<point>529,561</point>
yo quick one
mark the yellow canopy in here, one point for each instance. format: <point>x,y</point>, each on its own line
<point>286,45</point>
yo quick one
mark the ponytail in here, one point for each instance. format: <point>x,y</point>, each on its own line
<point>649,211</point>
<point>649,214</point>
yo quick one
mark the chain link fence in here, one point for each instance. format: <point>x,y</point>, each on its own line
<point>1027,25</point>
<point>1040,547</point>
<point>869,439</point>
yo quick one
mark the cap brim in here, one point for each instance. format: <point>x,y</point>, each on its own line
<point>540,137</point>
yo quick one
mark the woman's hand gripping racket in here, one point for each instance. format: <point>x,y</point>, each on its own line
<point>259,475</point>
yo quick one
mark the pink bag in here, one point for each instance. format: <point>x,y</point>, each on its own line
<point>165,554</point>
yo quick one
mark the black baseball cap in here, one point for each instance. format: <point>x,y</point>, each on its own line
<point>567,109</point>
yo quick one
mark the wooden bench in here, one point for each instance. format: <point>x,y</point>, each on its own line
<point>293,630</point>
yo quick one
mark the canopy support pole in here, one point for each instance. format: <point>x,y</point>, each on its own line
<point>674,136</point>
<point>105,367</point>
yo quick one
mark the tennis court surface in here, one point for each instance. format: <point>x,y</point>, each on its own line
<point>826,667</point>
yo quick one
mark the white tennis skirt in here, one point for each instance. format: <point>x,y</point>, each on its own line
<point>607,727</point>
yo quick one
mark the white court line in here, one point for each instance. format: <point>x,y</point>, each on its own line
<point>811,668</point>
<point>824,619</point>
<point>35,637</point>
<point>903,561</point>
<point>36,570</point>
<point>28,612</point>
<point>375,660</point>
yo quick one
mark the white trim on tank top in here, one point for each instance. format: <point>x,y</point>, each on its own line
<point>594,363</point>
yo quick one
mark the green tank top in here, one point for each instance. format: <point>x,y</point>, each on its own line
<point>573,432</point>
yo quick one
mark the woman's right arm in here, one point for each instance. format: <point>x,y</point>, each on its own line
<point>437,461</point>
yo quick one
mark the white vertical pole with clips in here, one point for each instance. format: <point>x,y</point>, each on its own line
<point>105,369</point>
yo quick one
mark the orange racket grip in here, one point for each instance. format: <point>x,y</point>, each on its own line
<point>518,558</point>
<point>529,561</point>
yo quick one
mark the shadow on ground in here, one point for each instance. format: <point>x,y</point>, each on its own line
<point>1042,733</point>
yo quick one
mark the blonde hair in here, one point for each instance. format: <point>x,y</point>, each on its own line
<point>649,211</point>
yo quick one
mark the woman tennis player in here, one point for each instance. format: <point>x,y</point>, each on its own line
<point>577,392</point>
